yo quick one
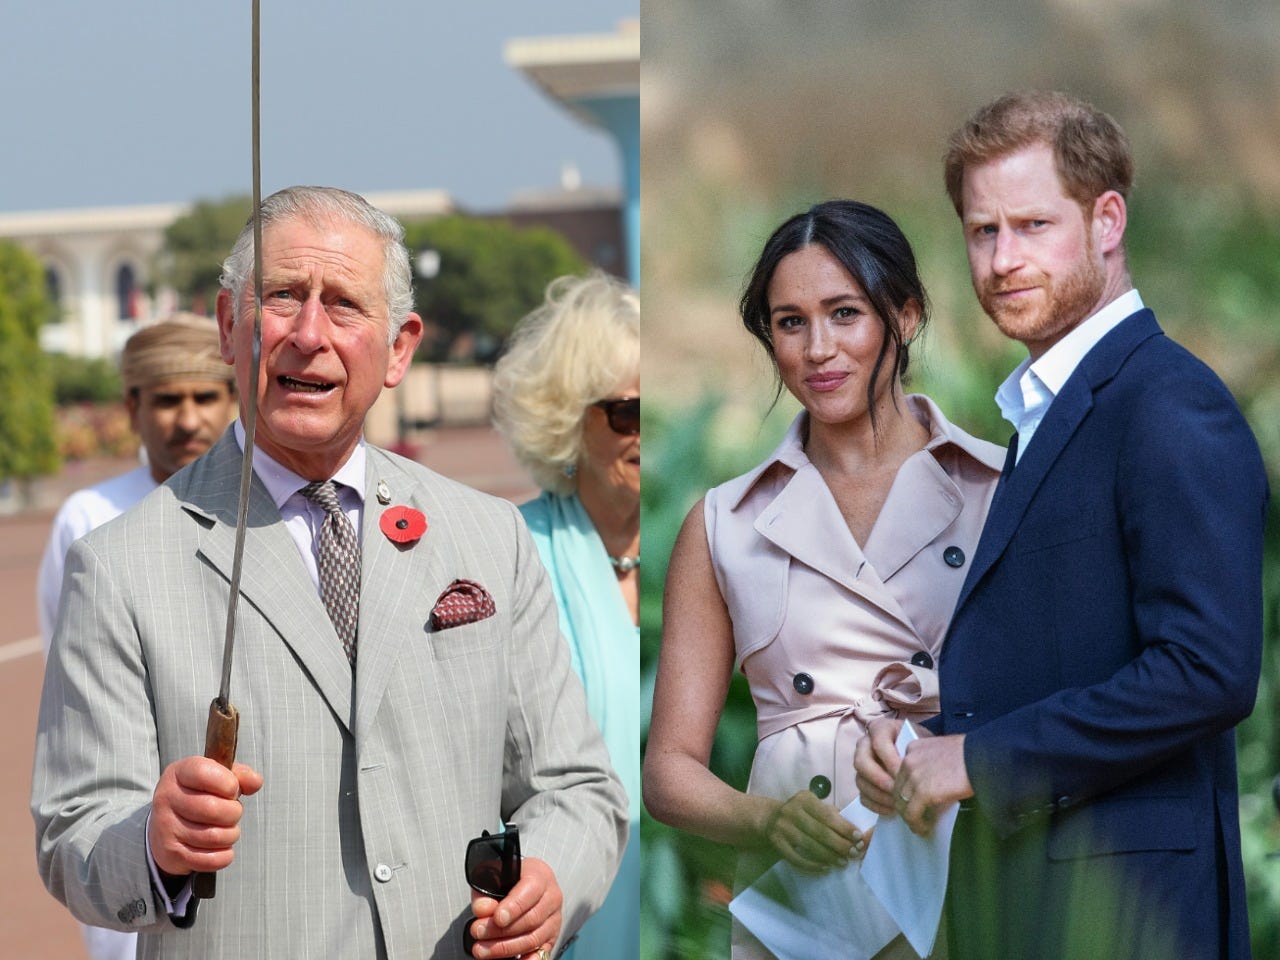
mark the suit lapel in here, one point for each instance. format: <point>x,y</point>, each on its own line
<point>274,580</point>
<point>395,581</point>
<point>1018,488</point>
<point>1010,460</point>
<point>1067,411</point>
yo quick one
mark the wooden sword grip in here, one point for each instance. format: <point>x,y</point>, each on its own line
<point>220,736</point>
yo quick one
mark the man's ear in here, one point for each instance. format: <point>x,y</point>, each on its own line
<point>226,323</point>
<point>402,349</point>
<point>1110,216</point>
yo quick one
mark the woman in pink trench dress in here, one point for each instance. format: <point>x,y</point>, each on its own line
<point>827,574</point>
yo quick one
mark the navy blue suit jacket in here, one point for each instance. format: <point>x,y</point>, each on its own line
<point>1107,639</point>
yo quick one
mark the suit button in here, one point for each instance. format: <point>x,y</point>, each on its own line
<point>820,787</point>
<point>953,557</point>
<point>382,873</point>
<point>803,683</point>
<point>922,659</point>
<point>1062,803</point>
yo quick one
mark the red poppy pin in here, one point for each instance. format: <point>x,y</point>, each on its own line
<point>403,524</point>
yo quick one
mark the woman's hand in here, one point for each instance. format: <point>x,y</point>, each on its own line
<point>812,836</point>
<point>876,760</point>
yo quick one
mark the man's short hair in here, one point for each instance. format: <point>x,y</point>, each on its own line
<point>1090,150</point>
<point>183,347</point>
<point>320,204</point>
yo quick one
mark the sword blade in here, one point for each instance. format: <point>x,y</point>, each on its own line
<point>251,406</point>
<point>223,725</point>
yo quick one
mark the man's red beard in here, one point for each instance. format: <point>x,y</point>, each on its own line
<point>1063,304</point>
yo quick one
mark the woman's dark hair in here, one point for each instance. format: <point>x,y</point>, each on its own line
<point>871,247</point>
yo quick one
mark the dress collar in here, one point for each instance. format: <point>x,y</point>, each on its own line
<point>790,453</point>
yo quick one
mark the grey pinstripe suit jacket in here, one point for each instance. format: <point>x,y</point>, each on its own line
<point>435,737</point>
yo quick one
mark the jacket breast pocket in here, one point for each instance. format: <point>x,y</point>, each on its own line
<point>1056,530</point>
<point>1122,825</point>
<point>469,639</point>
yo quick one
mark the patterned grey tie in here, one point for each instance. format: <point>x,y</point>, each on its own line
<point>339,564</point>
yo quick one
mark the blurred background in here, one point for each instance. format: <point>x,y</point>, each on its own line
<point>752,110</point>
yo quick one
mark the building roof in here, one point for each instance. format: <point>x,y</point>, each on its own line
<point>576,68</point>
<point>156,216</point>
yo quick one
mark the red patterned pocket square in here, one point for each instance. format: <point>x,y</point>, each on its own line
<point>464,601</point>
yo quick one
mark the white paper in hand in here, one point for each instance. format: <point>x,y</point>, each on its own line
<point>907,873</point>
<point>799,917</point>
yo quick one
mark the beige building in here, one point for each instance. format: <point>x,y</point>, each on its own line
<point>99,265</point>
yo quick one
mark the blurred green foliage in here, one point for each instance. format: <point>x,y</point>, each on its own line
<point>196,244</point>
<point>490,274</point>
<point>84,380</point>
<point>28,447</point>
<point>686,879</point>
<point>1209,265</point>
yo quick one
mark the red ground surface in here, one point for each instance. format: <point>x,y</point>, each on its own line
<point>34,926</point>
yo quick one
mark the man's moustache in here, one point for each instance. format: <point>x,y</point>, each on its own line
<point>994,289</point>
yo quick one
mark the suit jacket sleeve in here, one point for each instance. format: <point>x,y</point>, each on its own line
<point>1189,501</point>
<point>96,761</point>
<point>557,780</point>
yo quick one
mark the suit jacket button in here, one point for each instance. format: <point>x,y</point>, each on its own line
<point>382,873</point>
<point>953,557</point>
<point>922,659</point>
<point>803,684</point>
<point>820,787</point>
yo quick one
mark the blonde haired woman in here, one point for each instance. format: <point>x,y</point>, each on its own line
<point>567,398</point>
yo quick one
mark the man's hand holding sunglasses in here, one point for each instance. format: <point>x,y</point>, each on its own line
<point>517,902</point>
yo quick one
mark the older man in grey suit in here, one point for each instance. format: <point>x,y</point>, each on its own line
<point>376,742</point>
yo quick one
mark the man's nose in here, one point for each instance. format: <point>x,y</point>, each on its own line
<point>189,415</point>
<point>1008,254</point>
<point>310,325</point>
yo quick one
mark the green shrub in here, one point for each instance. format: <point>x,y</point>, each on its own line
<point>84,380</point>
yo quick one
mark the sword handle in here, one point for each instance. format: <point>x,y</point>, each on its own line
<point>220,735</point>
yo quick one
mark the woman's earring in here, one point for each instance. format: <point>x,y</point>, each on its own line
<point>570,469</point>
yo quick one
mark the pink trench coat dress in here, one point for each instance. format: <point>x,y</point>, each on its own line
<point>831,634</point>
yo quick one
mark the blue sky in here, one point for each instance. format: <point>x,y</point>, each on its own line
<point>147,101</point>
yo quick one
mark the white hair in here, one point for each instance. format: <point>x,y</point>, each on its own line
<point>329,203</point>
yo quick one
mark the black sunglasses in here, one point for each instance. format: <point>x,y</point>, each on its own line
<point>493,868</point>
<point>623,414</point>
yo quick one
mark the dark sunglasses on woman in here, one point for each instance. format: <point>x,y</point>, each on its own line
<point>493,868</point>
<point>623,414</point>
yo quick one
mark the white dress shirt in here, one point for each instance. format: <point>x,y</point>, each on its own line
<point>1026,393</point>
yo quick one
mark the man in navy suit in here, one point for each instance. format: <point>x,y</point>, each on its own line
<point>1108,637</point>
